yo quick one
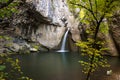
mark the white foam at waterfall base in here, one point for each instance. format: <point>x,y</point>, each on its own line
<point>64,42</point>
<point>62,51</point>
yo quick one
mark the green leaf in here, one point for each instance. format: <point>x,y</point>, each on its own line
<point>82,13</point>
<point>104,28</point>
<point>2,67</point>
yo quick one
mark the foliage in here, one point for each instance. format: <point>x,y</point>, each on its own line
<point>94,13</point>
<point>8,10</point>
<point>10,69</point>
<point>87,51</point>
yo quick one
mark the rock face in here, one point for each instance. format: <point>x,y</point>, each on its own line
<point>113,37</point>
<point>45,21</point>
<point>110,45</point>
<point>115,30</point>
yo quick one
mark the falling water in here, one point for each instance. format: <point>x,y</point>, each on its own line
<point>64,42</point>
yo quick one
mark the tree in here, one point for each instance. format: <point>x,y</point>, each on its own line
<point>94,13</point>
<point>5,3</point>
<point>8,7</point>
<point>9,67</point>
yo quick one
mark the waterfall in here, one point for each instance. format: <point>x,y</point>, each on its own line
<point>64,42</point>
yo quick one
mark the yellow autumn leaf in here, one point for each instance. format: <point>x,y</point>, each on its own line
<point>82,13</point>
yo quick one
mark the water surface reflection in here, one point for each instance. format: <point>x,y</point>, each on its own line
<point>62,66</point>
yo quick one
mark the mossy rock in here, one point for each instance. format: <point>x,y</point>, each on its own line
<point>24,50</point>
<point>36,47</point>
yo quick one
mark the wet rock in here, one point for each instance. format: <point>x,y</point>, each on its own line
<point>43,49</point>
<point>15,47</point>
<point>109,72</point>
<point>33,50</point>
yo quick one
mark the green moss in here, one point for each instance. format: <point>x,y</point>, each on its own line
<point>24,50</point>
<point>1,37</point>
<point>36,47</point>
<point>5,37</point>
<point>8,45</point>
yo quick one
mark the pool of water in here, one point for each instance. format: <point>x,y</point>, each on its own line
<point>62,66</point>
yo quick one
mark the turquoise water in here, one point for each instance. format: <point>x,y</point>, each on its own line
<point>60,66</point>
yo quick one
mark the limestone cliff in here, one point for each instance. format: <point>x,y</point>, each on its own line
<point>45,21</point>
